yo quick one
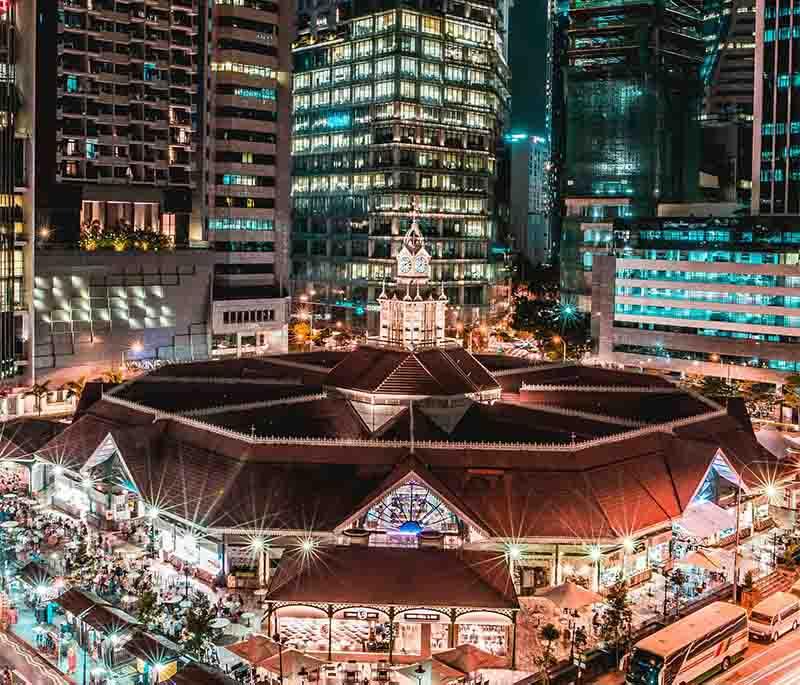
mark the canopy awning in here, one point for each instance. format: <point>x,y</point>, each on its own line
<point>570,595</point>
<point>701,560</point>
<point>706,519</point>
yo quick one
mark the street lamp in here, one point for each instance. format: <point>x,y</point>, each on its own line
<point>277,638</point>
<point>419,673</point>
<point>770,491</point>
<point>558,339</point>
<point>717,359</point>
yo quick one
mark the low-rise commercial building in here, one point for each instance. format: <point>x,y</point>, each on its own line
<point>717,296</point>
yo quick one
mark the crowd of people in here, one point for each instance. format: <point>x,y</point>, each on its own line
<point>11,482</point>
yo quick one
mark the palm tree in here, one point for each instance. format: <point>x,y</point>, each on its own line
<point>75,388</point>
<point>113,376</point>
<point>39,391</point>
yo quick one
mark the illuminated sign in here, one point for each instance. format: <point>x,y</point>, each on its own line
<point>361,615</point>
<point>423,616</point>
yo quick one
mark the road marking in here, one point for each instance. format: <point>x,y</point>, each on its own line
<point>31,661</point>
<point>768,669</point>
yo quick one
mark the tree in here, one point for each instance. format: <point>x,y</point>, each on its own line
<point>196,636</point>
<point>791,392</point>
<point>301,333</point>
<point>676,581</point>
<point>147,606</point>
<point>718,388</point>
<point>39,391</point>
<point>616,622</point>
<point>760,399</point>
<point>548,634</point>
<point>75,388</point>
<point>113,376</point>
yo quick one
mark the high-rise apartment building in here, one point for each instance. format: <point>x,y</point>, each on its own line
<point>397,115</point>
<point>152,181</point>
<point>633,100</point>
<point>14,126</point>
<point>248,110</point>
<point>776,124</point>
<point>117,139</point>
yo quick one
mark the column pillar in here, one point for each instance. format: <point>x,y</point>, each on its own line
<point>425,640</point>
<point>557,566</point>
<point>391,635</point>
<point>238,344</point>
<point>330,632</point>
<point>514,642</point>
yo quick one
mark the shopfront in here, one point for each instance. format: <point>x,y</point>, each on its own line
<point>487,630</point>
<point>185,549</point>
<point>349,632</point>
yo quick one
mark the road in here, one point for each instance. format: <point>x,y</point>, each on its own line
<point>25,664</point>
<point>775,664</point>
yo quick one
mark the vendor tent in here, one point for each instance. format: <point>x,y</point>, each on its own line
<point>570,595</point>
<point>702,560</point>
<point>706,519</point>
<point>468,659</point>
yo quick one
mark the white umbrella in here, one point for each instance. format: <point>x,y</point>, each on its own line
<point>570,595</point>
<point>700,559</point>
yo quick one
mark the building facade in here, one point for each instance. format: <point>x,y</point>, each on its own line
<point>147,144</point>
<point>714,296</point>
<point>776,138</point>
<point>117,138</point>
<point>633,97</point>
<point>633,92</point>
<point>245,206</point>
<point>531,220</point>
<point>728,67</point>
<point>398,114</point>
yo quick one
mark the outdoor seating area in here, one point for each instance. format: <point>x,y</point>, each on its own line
<point>98,603</point>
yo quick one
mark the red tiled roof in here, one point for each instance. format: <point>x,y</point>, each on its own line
<point>382,575</point>
<point>20,438</point>
<point>433,372</point>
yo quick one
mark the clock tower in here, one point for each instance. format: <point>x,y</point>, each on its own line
<point>413,318</point>
<point>413,260</point>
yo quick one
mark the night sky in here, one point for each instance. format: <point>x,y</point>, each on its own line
<point>527,57</point>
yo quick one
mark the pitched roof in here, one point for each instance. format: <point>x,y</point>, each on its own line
<point>20,438</point>
<point>381,575</point>
<point>430,372</point>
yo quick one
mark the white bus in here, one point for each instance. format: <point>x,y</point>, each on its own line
<point>704,642</point>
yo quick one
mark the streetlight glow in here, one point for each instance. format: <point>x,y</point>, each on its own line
<point>595,554</point>
<point>629,544</point>
<point>514,552</point>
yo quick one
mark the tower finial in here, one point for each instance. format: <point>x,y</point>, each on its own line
<point>383,295</point>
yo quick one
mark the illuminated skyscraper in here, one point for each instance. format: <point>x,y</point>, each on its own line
<point>399,112</point>
<point>776,124</point>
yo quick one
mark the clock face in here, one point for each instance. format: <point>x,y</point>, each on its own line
<point>404,264</point>
<point>420,264</point>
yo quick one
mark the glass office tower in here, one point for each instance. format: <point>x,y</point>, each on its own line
<point>398,113</point>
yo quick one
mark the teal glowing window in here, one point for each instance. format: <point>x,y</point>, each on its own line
<point>228,224</point>
<point>150,71</point>
<point>91,150</point>
<point>769,36</point>
<point>72,84</point>
<point>256,93</point>
<point>783,81</point>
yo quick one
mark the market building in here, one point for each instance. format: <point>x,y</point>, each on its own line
<point>398,499</point>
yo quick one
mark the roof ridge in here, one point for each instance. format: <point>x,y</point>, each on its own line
<point>465,376</point>
<point>410,357</point>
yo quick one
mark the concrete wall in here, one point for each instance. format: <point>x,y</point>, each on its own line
<point>95,310</point>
